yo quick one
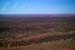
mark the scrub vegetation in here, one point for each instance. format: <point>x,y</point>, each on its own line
<point>37,33</point>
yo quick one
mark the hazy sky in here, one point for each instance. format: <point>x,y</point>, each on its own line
<point>37,6</point>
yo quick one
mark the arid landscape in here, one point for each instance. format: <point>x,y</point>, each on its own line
<point>37,32</point>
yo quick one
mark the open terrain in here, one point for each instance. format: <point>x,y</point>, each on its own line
<point>37,32</point>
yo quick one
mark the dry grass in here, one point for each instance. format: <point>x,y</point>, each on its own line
<point>54,45</point>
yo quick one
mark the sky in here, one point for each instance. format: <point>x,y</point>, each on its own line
<point>37,6</point>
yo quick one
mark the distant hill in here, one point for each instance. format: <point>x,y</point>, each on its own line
<point>36,17</point>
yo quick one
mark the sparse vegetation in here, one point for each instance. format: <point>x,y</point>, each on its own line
<point>40,33</point>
